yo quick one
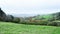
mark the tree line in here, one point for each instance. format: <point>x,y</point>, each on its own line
<point>35,20</point>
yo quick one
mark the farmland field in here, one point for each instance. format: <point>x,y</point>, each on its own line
<point>13,28</point>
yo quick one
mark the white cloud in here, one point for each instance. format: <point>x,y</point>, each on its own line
<point>30,6</point>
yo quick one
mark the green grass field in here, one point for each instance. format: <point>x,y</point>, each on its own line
<point>12,28</point>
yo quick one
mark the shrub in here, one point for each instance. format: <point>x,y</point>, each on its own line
<point>54,23</point>
<point>16,20</point>
<point>9,18</point>
<point>42,22</point>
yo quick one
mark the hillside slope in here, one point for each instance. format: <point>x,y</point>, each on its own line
<point>12,28</point>
<point>47,16</point>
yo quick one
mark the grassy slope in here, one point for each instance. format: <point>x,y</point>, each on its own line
<point>44,16</point>
<point>12,28</point>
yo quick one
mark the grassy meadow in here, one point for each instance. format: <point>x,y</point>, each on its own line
<point>13,28</point>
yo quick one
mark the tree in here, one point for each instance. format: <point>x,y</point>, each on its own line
<point>2,15</point>
<point>9,18</point>
<point>58,16</point>
<point>16,20</point>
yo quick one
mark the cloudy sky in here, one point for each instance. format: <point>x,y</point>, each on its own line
<point>30,6</point>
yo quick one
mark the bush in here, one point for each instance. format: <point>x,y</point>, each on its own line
<point>9,18</point>
<point>54,23</point>
<point>42,22</point>
<point>16,20</point>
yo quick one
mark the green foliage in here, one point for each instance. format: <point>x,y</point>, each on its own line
<point>43,17</point>
<point>16,20</point>
<point>54,23</point>
<point>2,15</point>
<point>41,22</point>
<point>9,18</point>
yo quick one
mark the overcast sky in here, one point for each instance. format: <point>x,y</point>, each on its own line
<point>30,6</point>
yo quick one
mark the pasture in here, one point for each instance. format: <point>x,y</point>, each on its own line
<point>13,28</point>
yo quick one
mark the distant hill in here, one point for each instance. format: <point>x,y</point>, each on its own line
<point>47,16</point>
<point>24,15</point>
<point>38,17</point>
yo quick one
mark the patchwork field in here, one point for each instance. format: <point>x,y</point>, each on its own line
<point>13,28</point>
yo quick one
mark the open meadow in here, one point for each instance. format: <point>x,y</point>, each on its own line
<point>13,28</point>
